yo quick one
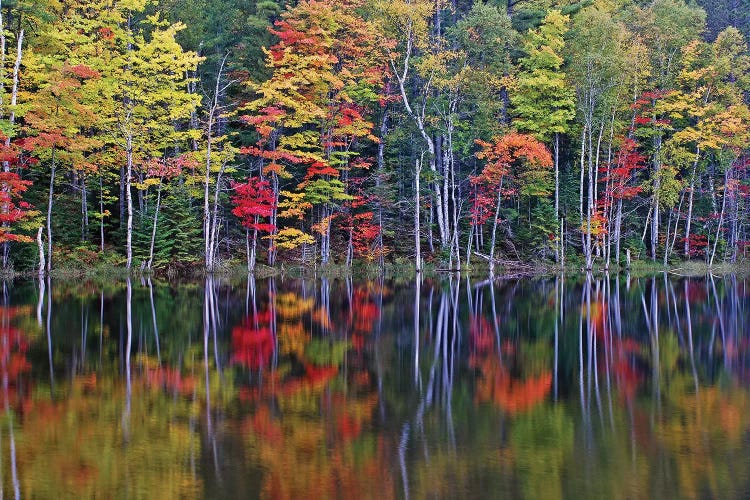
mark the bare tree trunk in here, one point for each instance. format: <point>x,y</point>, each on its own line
<point>129,199</point>
<point>84,208</point>
<point>440,201</point>
<point>562,242</point>
<point>446,197</point>
<point>194,124</point>
<point>12,119</point>
<point>274,219</point>
<point>727,176</point>
<point>669,247</point>
<point>419,118</point>
<point>214,219</point>
<point>666,237</point>
<point>417,229</point>
<point>590,204</point>
<point>430,217</point>
<point>618,230</point>
<point>121,199</point>
<point>494,229</point>
<point>580,191</point>
<point>326,237</point>
<point>49,212</point>
<point>608,210</point>
<point>39,243</point>
<point>101,211</point>
<point>3,50</point>
<point>734,232</point>
<point>251,262</point>
<point>153,229</point>
<point>596,165</point>
<point>655,227</point>
<point>455,244</point>
<point>378,181</point>
<point>209,229</point>
<point>14,91</point>
<point>350,249</point>
<point>655,202</point>
<point>206,195</point>
<point>440,192</point>
<point>557,194</point>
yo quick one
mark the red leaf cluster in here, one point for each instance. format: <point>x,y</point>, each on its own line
<point>252,201</point>
<point>253,343</point>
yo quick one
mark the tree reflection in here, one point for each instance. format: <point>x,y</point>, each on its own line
<point>593,387</point>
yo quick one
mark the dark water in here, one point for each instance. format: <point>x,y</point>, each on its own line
<point>551,388</point>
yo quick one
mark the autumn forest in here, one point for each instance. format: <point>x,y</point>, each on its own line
<point>430,134</point>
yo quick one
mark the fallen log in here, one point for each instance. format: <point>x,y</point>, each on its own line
<point>508,264</point>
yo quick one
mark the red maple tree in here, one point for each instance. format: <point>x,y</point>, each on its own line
<point>254,201</point>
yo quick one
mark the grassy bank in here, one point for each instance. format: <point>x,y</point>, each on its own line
<point>402,269</point>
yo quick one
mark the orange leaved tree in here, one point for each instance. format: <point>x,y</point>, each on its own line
<point>517,165</point>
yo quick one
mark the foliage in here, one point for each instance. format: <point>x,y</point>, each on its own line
<point>254,200</point>
<point>313,118</point>
<point>520,160</point>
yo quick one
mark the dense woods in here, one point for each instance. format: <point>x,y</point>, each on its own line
<point>450,134</point>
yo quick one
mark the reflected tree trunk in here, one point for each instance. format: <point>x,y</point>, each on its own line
<point>402,459</point>
<point>101,327</point>
<point>6,399</point>
<point>209,323</point>
<point>495,323</point>
<point>720,316</point>
<point>40,301</point>
<point>417,303</point>
<point>128,347</point>
<point>48,331</point>
<point>558,320</point>
<point>417,228</point>
<point>581,385</point>
<point>272,308</point>
<point>153,319</point>
<point>691,350</point>
<point>84,334</point>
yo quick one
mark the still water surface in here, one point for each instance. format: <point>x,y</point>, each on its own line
<point>549,388</point>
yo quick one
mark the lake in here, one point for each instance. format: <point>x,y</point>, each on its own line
<point>575,387</point>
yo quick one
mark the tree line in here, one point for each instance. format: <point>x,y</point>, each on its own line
<point>154,135</point>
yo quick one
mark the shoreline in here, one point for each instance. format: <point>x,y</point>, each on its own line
<point>399,270</point>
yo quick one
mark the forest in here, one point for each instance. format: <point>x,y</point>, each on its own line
<point>204,134</point>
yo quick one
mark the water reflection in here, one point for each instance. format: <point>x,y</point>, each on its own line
<point>591,387</point>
